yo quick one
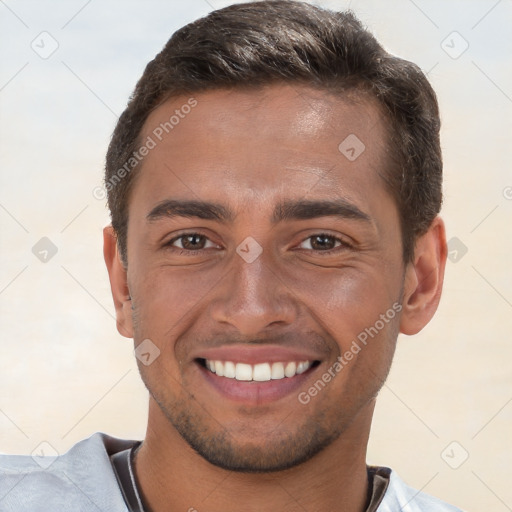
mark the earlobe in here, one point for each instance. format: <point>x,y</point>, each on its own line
<point>424,279</point>
<point>118,283</point>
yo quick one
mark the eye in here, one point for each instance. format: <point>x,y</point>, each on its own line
<point>321,242</point>
<point>191,242</point>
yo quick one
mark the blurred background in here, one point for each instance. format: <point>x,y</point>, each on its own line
<point>444,418</point>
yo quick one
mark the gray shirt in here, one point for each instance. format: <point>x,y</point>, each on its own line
<point>83,480</point>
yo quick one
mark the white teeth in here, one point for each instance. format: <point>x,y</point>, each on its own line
<point>277,371</point>
<point>290,369</point>
<point>261,372</point>
<point>229,370</point>
<point>219,368</point>
<point>243,371</point>
<point>302,367</point>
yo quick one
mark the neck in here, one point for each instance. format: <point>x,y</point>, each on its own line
<point>173,477</point>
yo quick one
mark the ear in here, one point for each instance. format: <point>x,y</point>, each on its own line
<point>118,282</point>
<point>424,279</point>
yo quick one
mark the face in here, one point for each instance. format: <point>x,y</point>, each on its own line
<point>259,252</point>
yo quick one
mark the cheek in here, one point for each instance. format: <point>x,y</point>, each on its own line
<point>359,310</point>
<point>169,302</point>
<point>346,301</point>
<point>363,322</point>
<point>168,297</point>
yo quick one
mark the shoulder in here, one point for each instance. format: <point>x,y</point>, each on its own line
<point>81,479</point>
<point>399,497</point>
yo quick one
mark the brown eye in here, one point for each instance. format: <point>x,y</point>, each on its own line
<point>191,242</point>
<point>321,242</point>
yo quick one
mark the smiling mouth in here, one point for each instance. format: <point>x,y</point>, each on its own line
<point>260,372</point>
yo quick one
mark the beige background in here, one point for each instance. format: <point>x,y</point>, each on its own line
<point>65,372</point>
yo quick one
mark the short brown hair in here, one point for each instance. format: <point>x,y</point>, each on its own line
<point>260,43</point>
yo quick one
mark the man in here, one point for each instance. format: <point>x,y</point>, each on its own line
<point>274,185</point>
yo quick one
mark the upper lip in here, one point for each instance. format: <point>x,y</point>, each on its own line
<point>255,354</point>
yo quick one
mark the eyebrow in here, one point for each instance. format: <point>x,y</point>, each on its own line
<point>203,210</point>
<point>303,210</point>
<point>288,210</point>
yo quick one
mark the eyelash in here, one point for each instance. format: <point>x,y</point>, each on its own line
<point>188,252</point>
<point>192,252</point>
<point>342,244</point>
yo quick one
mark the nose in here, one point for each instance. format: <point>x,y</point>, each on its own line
<point>253,297</point>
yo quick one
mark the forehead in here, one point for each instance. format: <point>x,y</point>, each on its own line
<point>276,140</point>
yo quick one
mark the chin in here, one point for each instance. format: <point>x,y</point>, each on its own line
<point>276,448</point>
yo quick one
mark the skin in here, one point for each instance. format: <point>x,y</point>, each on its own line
<point>250,151</point>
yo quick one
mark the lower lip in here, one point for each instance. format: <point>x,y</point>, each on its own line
<point>256,393</point>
